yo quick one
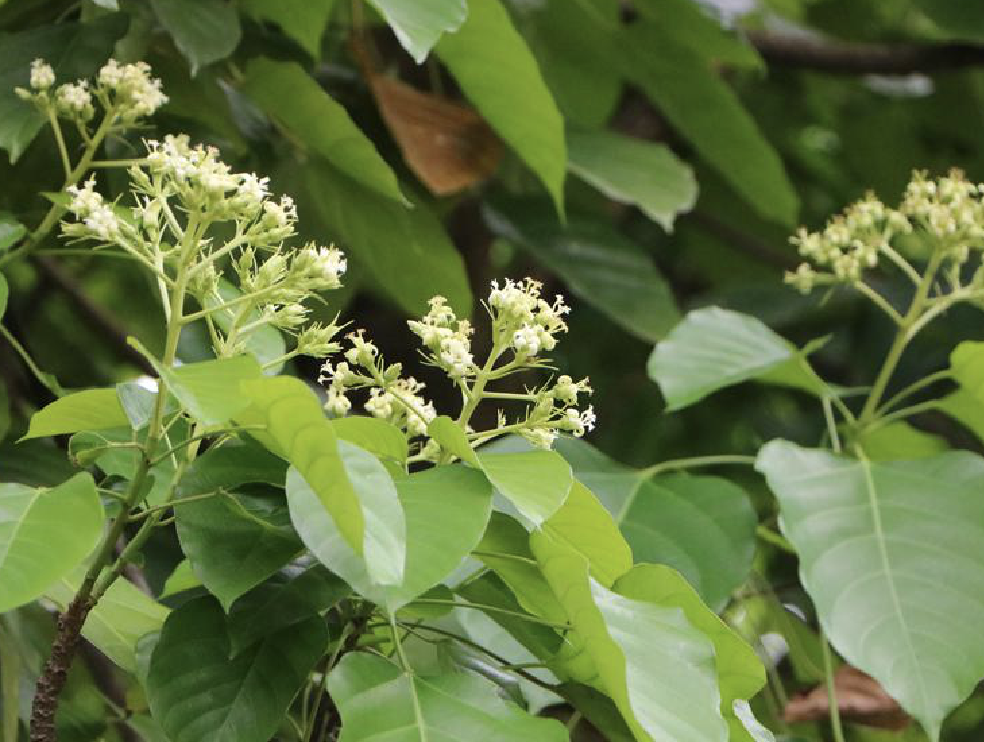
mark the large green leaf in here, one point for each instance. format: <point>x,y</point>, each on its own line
<point>498,74</point>
<point>599,264</point>
<point>196,692</point>
<point>406,250</point>
<point>359,501</point>
<point>714,348</point>
<point>44,535</point>
<point>892,554</point>
<point>633,171</point>
<point>205,31</point>
<point>92,409</point>
<point>579,64</point>
<point>116,623</point>
<point>630,644</point>
<point>583,524</point>
<point>704,527</point>
<point>313,119</point>
<point>234,542</point>
<point>230,466</point>
<point>303,20</point>
<point>739,670</point>
<point>378,701</point>
<point>73,49</point>
<point>378,437</point>
<point>418,25</point>
<point>705,111</point>
<point>447,509</point>
<point>536,482</point>
<point>209,390</point>
<point>288,598</point>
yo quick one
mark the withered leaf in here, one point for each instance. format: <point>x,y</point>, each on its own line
<point>860,697</point>
<point>448,145</point>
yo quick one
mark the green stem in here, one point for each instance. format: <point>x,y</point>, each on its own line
<point>879,301</point>
<point>916,386</point>
<point>47,380</point>
<point>771,537</point>
<point>62,149</point>
<point>695,462</point>
<point>828,670</point>
<point>908,328</point>
<point>55,212</point>
<point>491,609</point>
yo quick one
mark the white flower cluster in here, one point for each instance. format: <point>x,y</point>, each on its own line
<point>97,217</point>
<point>133,91</point>
<point>447,338</point>
<point>529,322</point>
<point>523,325</point>
<point>850,243</point>
<point>126,90</point>
<point>181,191</point>
<point>392,398</point>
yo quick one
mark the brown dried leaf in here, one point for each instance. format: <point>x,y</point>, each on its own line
<point>860,697</point>
<point>446,144</point>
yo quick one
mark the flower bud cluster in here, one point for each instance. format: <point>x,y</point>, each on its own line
<point>850,243</point>
<point>127,90</point>
<point>523,326</point>
<point>950,209</point>
<point>528,322</point>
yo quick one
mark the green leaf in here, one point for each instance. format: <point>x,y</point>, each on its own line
<point>204,31</point>
<point>965,407</point>
<point>312,118</point>
<point>453,439</point>
<point>714,348</point>
<point>234,542</point>
<point>406,250</point>
<point>209,390</point>
<point>739,670</point>
<point>633,171</point>
<point>230,466</point>
<point>877,542</point>
<point>298,430</point>
<point>287,599</point>
<point>899,440</point>
<point>536,482</point>
<point>74,50</point>
<point>182,578</point>
<point>379,702</point>
<point>597,263</point>
<point>583,524</point>
<point>11,232</point>
<point>138,403</point>
<point>630,643</point>
<point>693,26</point>
<point>447,509</point>
<point>579,64</point>
<point>304,21</point>
<point>92,409</point>
<point>505,548</point>
<point>122,616</point>
<point>378,437</point>
<point>704,527</point>
<point>706,112</point>
<point>265,344</point>
<point>418,25</point>
<point>196,692</point>
<point>44,535</point>
<point>498,74</point>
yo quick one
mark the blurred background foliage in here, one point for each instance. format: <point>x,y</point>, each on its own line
<point>644,157</point>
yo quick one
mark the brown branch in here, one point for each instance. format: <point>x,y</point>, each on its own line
<point>55,671</point>
<point>95,315</point>
<point>850,58</point>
